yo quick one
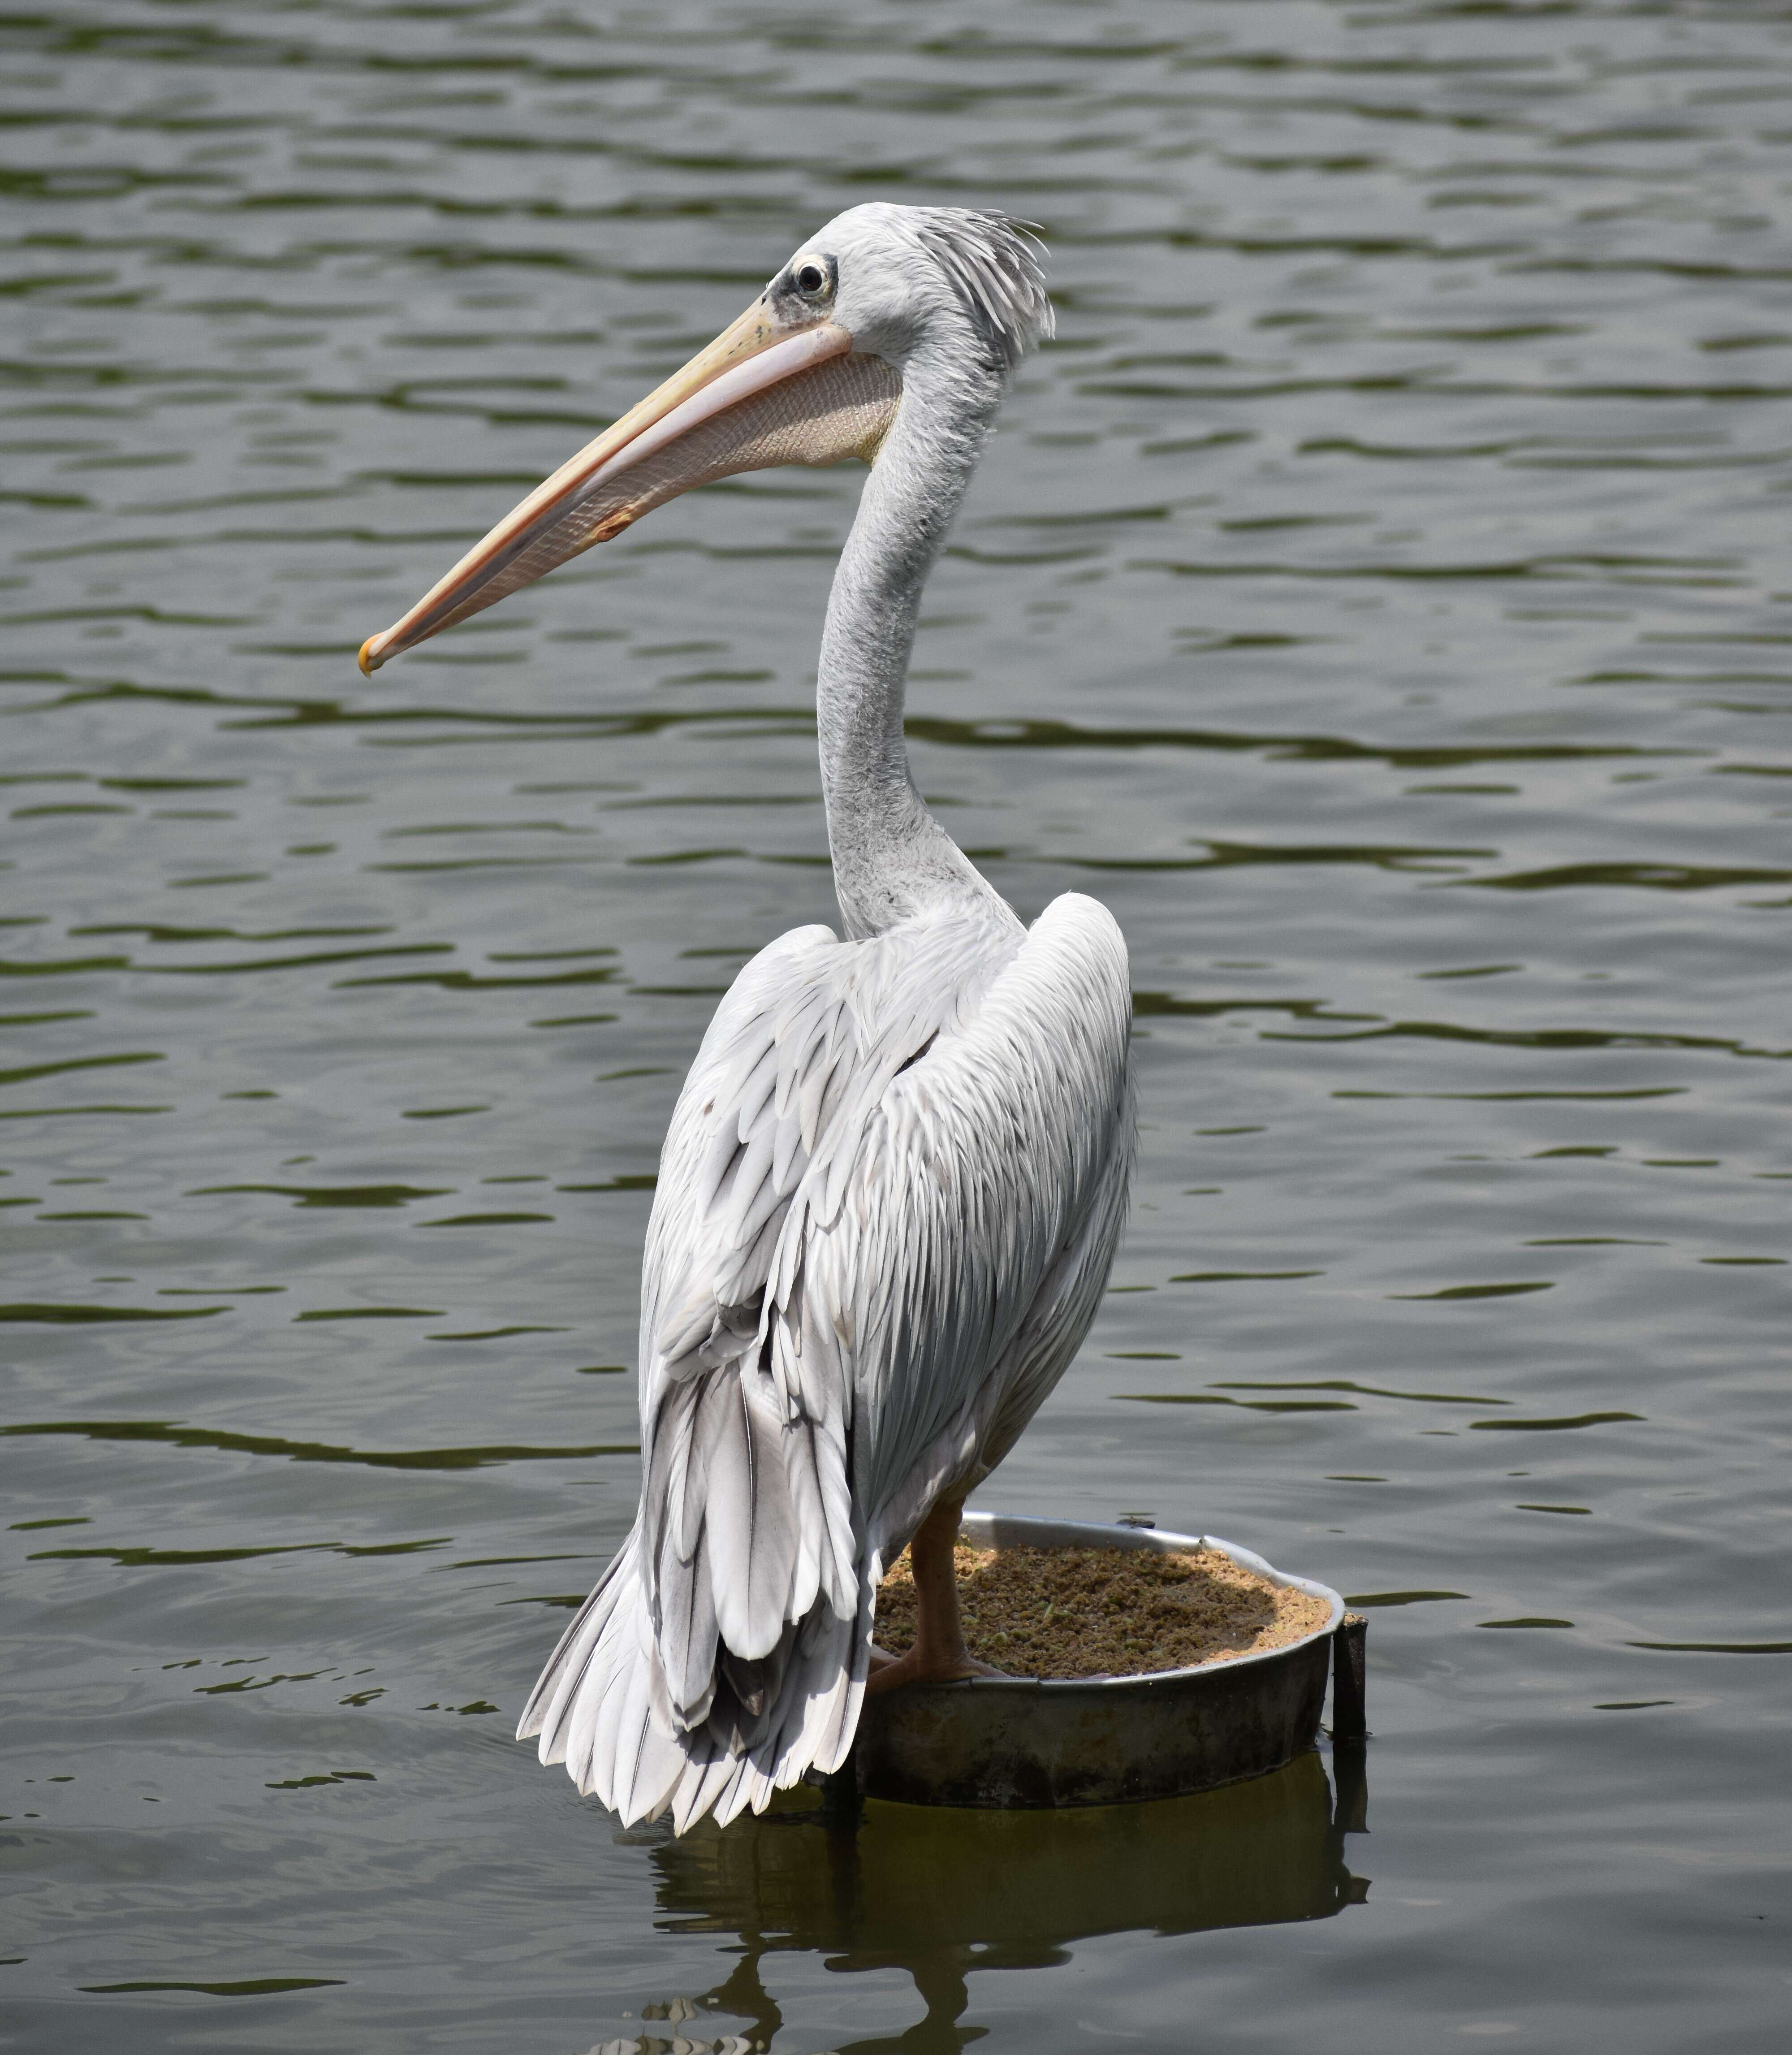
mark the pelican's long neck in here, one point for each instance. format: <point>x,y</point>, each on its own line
<point>891,858</point>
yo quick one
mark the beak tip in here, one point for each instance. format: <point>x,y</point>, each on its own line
<point>369,659</point>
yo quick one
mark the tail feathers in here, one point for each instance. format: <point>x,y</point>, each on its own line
<point>602,1709</point>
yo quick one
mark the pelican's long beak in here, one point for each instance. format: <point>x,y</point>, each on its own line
<point>757,396</point>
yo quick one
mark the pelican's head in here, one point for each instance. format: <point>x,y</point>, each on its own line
<point>812,372</point>
<point>904,281</point>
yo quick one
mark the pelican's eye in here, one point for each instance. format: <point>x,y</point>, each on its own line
<point>814,278</point>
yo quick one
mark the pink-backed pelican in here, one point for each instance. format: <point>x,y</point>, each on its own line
<point>895,1177</point>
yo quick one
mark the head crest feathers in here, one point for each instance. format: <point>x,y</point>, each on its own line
<point>994,266</point>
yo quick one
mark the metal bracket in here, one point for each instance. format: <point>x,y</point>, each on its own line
<point>1350,1665</point>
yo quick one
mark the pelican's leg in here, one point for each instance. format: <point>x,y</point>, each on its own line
<point>939,1654</point>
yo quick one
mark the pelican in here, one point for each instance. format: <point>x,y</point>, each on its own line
<point>896,1175</point>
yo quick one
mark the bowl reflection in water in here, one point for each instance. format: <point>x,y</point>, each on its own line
<point>940,1891</point>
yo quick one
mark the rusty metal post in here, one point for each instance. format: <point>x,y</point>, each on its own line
<point>1349,1663</point>
<point>840,1803</point>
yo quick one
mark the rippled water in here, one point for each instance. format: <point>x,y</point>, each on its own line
<point>1378,595</point>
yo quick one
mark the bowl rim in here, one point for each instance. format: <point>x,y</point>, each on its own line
<point>999,1530</point>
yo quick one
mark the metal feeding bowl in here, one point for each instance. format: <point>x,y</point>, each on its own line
<point>1103,1741</point>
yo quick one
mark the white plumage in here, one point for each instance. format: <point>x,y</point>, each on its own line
<point>866,1267</point>
<point>896,1175</point>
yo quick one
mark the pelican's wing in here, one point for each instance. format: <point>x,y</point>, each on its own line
<point>882,1151</point>
<point>745,1509</point>
<point>925,1234</point>
<point>736,1529</point>
<point>731,1608</point>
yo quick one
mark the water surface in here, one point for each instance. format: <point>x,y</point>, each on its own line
<point>1378,595</point>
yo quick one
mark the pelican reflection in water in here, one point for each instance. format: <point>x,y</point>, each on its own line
<point>896,1174</point>
<point>944,1892</point>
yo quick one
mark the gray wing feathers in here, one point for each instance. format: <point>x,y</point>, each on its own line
<point>893,1172</point>
<point>974,1175</point>
<point>733,1552</point>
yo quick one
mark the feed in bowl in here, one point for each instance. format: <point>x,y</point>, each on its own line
<point>1106,1612</point>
